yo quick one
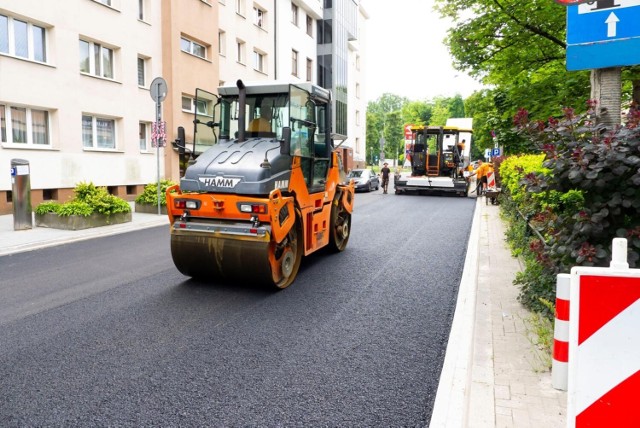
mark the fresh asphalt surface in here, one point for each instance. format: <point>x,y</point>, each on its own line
<point>107,332</point>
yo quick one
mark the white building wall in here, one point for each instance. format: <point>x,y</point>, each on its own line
<point>296,37</point>
<point>242,26</point>
<point>60,88</point>
<point>357,114</point>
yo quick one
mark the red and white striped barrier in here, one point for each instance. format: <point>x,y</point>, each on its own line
<point>491,180</point>
<point>560,362</point>
<point>604,344</point>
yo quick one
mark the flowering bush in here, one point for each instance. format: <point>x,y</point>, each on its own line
<point>592,188</point>
<point>577,196</point>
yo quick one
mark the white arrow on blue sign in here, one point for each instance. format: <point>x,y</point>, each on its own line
<point>603,33</point>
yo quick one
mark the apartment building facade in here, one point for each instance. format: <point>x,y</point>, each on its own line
<point>301,40</point>
<point>75,79</point>
<point>74,89</point>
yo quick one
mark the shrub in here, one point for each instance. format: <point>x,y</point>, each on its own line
<point>78,208</point>
<point>579,194</point>
<point>150,193</point>
<point>88,199</point>
<point>596,171</point>
<point>47,207</point>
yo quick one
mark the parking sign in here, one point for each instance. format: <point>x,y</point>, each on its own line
<point>495,152</point>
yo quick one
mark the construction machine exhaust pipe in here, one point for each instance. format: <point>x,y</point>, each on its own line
<point>242,101</point>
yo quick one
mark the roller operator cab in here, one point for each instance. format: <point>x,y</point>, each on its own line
<point>437,157</point>
<point>263,186</point>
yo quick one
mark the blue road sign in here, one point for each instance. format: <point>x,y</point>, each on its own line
<point>603,33</point>
<point>495,152</point>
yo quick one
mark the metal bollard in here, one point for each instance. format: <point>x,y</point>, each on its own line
<point>21,194</point>
<point>560,362</point>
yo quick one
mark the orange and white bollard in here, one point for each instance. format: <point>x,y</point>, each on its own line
<point>560,362</point>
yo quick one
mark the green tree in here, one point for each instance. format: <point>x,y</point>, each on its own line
<point>393,135</point>
<point>386,103</point>
<point>518,47</point>
<point>374,125</point>
<point>456,106</point>
<point>417,112</point>
<point>384,119</point>
<point>445,108</point>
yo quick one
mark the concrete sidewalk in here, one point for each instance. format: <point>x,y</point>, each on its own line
<point>492,374</point>
<point>17,241</point>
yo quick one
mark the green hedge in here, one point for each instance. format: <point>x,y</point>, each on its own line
<point>88,200</point>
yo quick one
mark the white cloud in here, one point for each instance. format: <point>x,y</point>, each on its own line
<point>405,54</point>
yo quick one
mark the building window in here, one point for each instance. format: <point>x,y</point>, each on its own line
<point>143,133</point>
<point>141,10</point>
<point>240,8</point>
<point>96,59</point>
<point>309,69</point>
<point>324,31</point>
<point>106,2</point>
<point>258,61</point>
<point>357,90</point>
<point>294,14</point>
<point>23,39</point>
<point>98,132</point>
<point>4,34</point>
<point>222,43</point>
<point>240,51</point>
<point>309,26</point>
<point>189,105</point>
<point>357,117</point>
<point>142,71</point>
<point>259,17</point>
<point>294,62</point>
<point>357,62</point>
<point>24,125</point>
<point>189,46</point>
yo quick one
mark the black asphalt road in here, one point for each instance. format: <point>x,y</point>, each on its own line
<point>107,332</point>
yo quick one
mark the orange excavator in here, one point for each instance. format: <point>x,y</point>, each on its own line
<point>264,186</point>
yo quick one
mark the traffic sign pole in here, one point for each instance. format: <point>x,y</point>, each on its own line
<point>158,91</point>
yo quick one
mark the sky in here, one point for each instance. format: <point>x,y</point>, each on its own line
<point>404,53</point>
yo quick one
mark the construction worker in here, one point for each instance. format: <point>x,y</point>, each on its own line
<point>261,124</point>
<point>481,173</point>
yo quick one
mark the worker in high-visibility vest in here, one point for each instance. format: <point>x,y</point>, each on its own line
<point>481,173</point>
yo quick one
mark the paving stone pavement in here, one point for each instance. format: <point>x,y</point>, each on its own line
<point>506,358</point>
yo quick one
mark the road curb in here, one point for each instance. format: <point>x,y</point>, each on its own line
<point>451,404</point>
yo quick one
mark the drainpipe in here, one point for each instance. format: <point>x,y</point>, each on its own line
<point>275,39</point>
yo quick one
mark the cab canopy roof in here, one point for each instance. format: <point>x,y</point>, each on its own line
<point>438,129</point>
<point>276,87</point>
